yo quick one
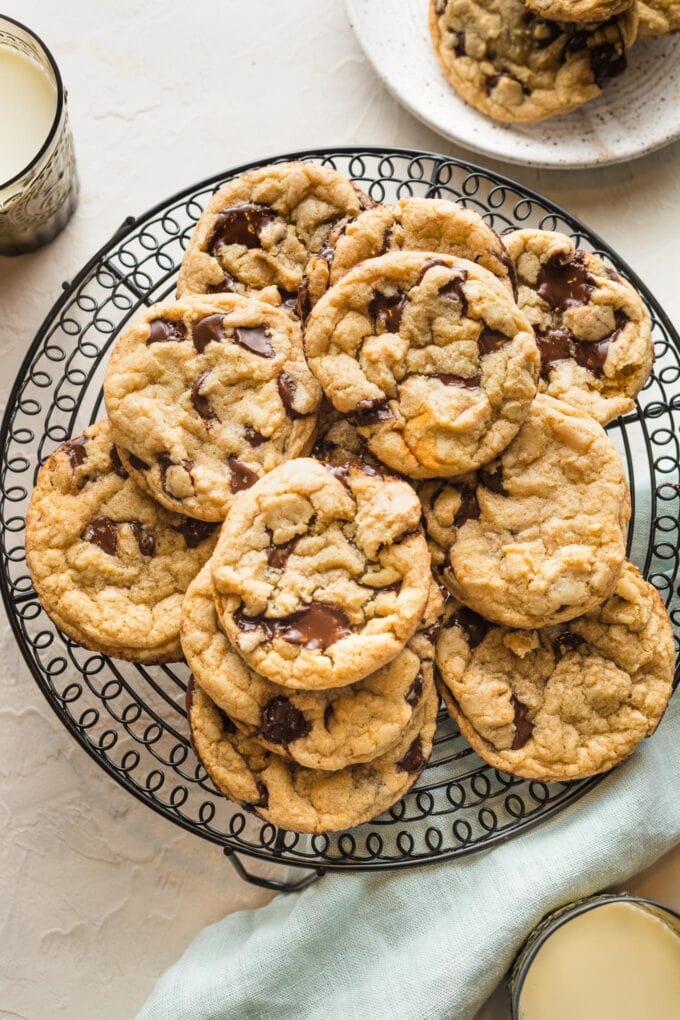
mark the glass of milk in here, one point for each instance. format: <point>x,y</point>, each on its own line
<point>609,957</point>
<point>38,181</point>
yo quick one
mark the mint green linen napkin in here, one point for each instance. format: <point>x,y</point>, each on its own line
<point>431,942</point>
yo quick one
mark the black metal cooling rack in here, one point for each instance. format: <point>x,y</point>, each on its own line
<point>131,719</point>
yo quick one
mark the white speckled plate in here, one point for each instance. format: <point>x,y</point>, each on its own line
<point>637,113</point>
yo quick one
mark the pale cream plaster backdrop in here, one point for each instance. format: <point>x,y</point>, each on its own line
<point>97,894</point>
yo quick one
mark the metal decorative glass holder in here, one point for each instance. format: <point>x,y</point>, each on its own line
<point>37,203</point>
<point>131,719</point>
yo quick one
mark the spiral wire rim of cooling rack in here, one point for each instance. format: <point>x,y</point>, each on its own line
<point>131,719</point>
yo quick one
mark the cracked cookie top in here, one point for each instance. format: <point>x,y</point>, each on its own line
<point>413,224</point>
<point>518,67</point>
<point>303,799</point>
<point>562,702</point>
<point>428,356</point>
<point>538,537</point>
<point>259,230</point>
<point>318,729</point>
<point>110,565</point>
<point>321,573</point>
<point>207,394</point>
<point>592,327</point>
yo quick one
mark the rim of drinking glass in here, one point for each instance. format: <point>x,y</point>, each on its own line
<point>563,917</point>
<point>60,101</point>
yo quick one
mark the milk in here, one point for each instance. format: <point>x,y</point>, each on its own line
<point>614,962</point>
<point>28,104</point>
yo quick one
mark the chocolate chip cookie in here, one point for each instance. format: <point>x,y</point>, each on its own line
<point>428,356</point>
<point>414,224</point>
<point>321,573</point>
<point>259,230</point>
<point>207,394</point>
<point>538,537</point>
<point>563,702</point>
<point>592,327</point>
<point>299,798</point>
<point>109,564</point>
<point>517,67</point>
<point>318,729</point>
<point>588,11</point>
<point>659,17</point>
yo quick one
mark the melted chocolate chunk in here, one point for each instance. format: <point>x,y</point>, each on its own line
<point>145,539</point>
<point>304,303</point>
<point>242,224</point>
<point>194,532</point>
<point>371,412</point>
<point>554,345</point>
<point>469,507</point>
<point>577,42</point>
<point>137,463</point>
<point>201,403</point>
<point>289,299</point>
<point>102,531</point>
<point>457,43</point>
<point>567,642</point>
<point>255,339</point>
<point>387,310</point>
<point>413,760</point>
<point>287,388</point>
<point>493,480</point>
<point>282,723</point>
<point>328,714</point>
<point>523,726</point>
<point>387,240</point>
<point>474,627</point>
<point>471,383</point>
<point>565,284</point>
<point>431,633</point>
<point>493,80</point>
<point>253,437</point>
<point>263,802</point>
<point>607,61</point>
<point>316,627</point>
<point>454,290</point>
<point>165,462</point>
<point>415,691</point>
<point>505,260</point>
<point>490,340</point>
<point>166,331</point>
<point>117,464</point>
<point>208,330</point>
<point>227,285</point>
<point>226,721</point>
<point>277,555</point>
<point>241,475</point>
<point>76,451</point>
<point>429,264</point>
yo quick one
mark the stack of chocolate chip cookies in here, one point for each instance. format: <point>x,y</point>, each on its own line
<point>358,463</point>
<point>526,60</point>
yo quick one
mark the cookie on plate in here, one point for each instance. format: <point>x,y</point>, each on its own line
<point>563,702</point>
<point>322,573</point>
<point>318,729</point>
<point>588,11</point>
<point>207,394</point>
<point>659,17</point>
<point>539,536</point>
<point>592,327</point>
<point>109,564</point>
<point>258,230</point>
<point>517,67</point>
<point>430,358</point>
<point>413,224</point>
<point>299,798</point>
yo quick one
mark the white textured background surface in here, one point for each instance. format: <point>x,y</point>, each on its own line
<point>97,894</point>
